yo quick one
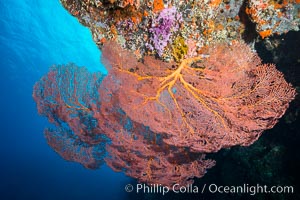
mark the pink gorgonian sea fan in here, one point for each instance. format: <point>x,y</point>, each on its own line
<point>225,98</point>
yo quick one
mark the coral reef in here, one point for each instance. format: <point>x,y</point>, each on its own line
<point>166,23</point>
<point>274,17</point>
<point>181,84</point>
<point>151,27</point>
<point>155,116</point>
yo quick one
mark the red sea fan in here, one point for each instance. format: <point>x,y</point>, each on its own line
<point>154,162</point>
<point>65,95</point>
<point>139,152</point>
<point>224,98</point>
<point>154,120</point>
<point>71,148</point>
<point>91,128</point>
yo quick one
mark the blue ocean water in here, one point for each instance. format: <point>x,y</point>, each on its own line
<point>35,34</point>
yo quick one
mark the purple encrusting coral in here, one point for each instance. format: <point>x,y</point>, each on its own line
<point>162,28</point>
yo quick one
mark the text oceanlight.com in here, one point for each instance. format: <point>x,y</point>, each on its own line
<point>211,188</point>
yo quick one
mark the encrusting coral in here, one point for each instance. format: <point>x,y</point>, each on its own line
<point>151,27</point>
